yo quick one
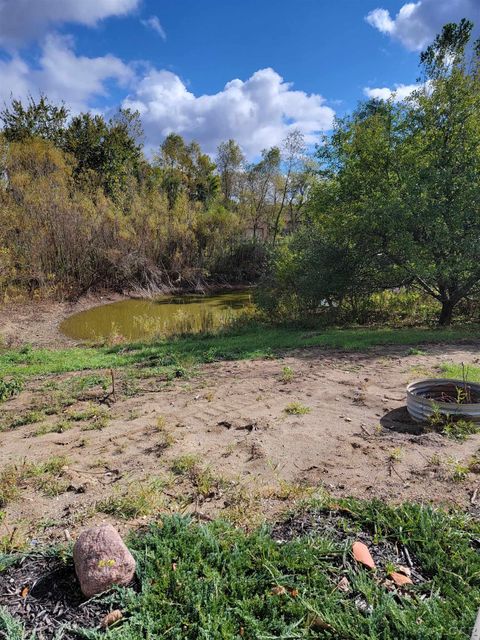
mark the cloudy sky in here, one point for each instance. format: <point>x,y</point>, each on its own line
<point>215,69</point>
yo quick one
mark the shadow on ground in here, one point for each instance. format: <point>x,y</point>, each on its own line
<point>400,421</point>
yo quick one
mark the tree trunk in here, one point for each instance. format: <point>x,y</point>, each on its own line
<point>445,317</point>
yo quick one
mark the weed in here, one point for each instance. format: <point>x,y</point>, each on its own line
<point>459,471</point>
<point>51,486</point>
<point>167,439</point>
<point>460,429</point>
<point>138,499</point>
<point>100,421</point>
<point>29,417</point>
<point>13,541</point>
<point>287,374</point>
<point>183,465</point>
<point>396,454</point>
<point>390,568</point>
<point>14,475</point>
<point>161,423</point>
<point>9,388</point>
<point>10,477</point>
<point>456,429</point>
<point>296,409</point>
<point>56,427</point>
<point>435,460</point>
<point>88,413</point>
<point>413,351</point>
<point>54,464</point>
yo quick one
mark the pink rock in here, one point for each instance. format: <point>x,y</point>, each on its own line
<point>102,560</point>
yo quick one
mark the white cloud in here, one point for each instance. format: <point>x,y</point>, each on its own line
<point>62,75</point>
<point>381,20</point>
<point>21,20</point>
<point>400,92</point>
<point>417,23</point>
<point>257,112</point>
<point>154,23</point>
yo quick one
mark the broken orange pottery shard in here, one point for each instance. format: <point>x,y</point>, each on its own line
<point>362,554</point>
<point>399,579</point>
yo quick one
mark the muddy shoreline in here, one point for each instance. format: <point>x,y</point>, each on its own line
<point>37,322</point>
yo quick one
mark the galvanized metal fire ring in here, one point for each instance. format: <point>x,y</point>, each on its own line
<point>424,399</point>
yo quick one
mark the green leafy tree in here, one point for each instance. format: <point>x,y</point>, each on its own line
<point>186,170</point>
<point>85,140</point>
<point>402,181</point>
<point>38,119</point>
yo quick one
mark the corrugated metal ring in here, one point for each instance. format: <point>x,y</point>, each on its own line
<point>421,408</point>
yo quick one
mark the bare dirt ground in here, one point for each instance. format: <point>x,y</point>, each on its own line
<point>221,442</point>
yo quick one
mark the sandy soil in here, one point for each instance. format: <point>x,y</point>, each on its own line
<point>356,440</point>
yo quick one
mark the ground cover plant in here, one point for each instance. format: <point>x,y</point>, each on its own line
<point>214,581</point>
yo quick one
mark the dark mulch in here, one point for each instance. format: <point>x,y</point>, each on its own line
<point>44,594</point>
<point>340,527</point>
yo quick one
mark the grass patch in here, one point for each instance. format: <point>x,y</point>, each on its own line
<point>33,416</point>
<point>457,371</point>
<point>297,409</point>
<point>288,374</point>
<point>185,464</point>
<point>175,357</point>
<point>42,475</point>
<point>216,581</point>
<point>138,499</point>
<point>9,388</point>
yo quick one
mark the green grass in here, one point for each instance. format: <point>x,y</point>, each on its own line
<point>296,409</point>
<point>255,341</point>
<point>452,370</point>
<point>216,582</point>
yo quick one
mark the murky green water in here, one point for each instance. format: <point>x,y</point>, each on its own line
<point>141,319</point>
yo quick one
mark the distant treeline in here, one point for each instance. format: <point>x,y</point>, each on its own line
<point>82,208</point>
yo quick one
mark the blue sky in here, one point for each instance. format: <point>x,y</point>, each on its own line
<point>213,69</point>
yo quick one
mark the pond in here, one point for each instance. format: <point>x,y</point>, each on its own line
<point>139,319</point>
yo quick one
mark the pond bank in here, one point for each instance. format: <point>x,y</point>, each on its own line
<point>37,322</point>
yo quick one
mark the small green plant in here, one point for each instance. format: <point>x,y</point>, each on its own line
<point>184,464</point>
<point>390,567</point>
<point>161,423</point>
<point>459,429</point>
<point>138,499</point>
<point>13,475</point>
<point>413,351</point>
<point>30,417</point>
<point>396,454</point>
<point>459,470</point>
<point>57,427</point>
<point>167,439</point>
<point>10,388</point>
<point>296,409</point>
<point>287,374</point>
